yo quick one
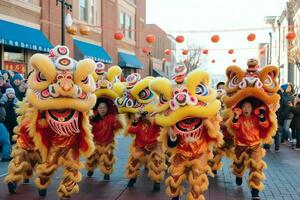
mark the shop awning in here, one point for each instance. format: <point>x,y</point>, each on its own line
<point>129,61</point>
<point>24,37</point>
<point>95,52</point>
<point>158,73</point>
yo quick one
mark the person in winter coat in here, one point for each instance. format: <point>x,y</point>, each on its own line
<point>9,100</point>
<point>4,136</point>
<point>16,81</point>
<point>3,85</point>
<point>296,111</point>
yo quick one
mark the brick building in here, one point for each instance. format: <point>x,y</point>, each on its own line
<point>102,17</point>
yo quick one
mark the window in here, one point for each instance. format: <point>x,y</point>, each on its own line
<point>14,54</point>
<point>83,10</point>
<point>92,13</point>
<point>126,25</point>
<point>122,22</point>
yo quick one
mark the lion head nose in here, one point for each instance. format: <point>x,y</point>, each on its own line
<point>181,98</point>
<point>66,85</point>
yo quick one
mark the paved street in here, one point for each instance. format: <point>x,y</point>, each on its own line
<point>282,184</point>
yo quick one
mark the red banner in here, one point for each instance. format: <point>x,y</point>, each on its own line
<point>18,67</point>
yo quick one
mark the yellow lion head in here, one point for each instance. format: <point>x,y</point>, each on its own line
<point>58,82</point>
<point>136,95</point>
<point>258,86</point>
<point>186,103</point>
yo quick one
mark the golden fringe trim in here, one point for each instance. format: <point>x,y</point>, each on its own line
<point>40,186</point>
<point>191,197</point>
<point>89,136</point>
<point>175,185</point>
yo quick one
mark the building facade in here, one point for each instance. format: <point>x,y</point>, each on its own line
<point>91,35</point>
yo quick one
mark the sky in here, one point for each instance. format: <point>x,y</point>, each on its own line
<point>190,17</point>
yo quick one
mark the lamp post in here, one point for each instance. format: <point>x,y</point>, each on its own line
<point>150,63</point>
<point>64,5</point>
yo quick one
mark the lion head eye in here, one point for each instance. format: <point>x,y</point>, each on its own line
<point>85,81</point>
<point>162,99</point>
<point>145,94</point>
<point>268,81</point>
<point>234,82</point>
<point>40,77</point>
<point>202,90</point>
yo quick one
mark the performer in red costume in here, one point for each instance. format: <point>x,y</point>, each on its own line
<point>105,124</point>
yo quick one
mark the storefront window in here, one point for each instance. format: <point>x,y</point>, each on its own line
<point>14,54</point>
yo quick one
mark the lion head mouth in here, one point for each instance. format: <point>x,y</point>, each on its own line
<point>189,128</point>
<point>63,122</point>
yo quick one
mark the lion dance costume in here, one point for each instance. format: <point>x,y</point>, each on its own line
<point>188,112</point>
<point>25,156</point>
<point>105,129</point>
<point>259,88</point>
<point>60,97</point>
<point>227,149</point>
<point>145,148</point>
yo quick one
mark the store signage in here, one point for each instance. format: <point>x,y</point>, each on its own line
<point>18,67</point>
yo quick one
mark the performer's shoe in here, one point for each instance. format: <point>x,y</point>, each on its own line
<point>215,172</point>
<point>255,194</point>
<point>90,173</point>
<point>131,182</point>
<point>156,186</point>
<point>26,181</point>
<point>12,186</point>
<point>106,177</point>
<point>175,198</point>
<point>239,181</point>
<point>42,192</point>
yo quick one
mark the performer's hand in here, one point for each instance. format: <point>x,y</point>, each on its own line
<point>261,111</point>
<point>237,112</point>
<point>172,135</point>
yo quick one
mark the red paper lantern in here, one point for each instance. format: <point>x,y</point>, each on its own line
<point>251,37</point>
<point>150,38</point>
<point>168,51</point>
<point>205,51</point>
<point>215,38</point>
<point>213,61</point>
<point>180,39</point>
<point>230,51</point>
<point>291,36</point>
<point>185,52</point>
<point>145,50</point>
<point>234,60</point>
<point>119,36</point>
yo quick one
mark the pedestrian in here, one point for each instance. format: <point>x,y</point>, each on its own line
<point>3,85</point>
<point>6,76</point>
<point>4,136</point>
<point>296,110</point>
<point>16,81</point>
<point>9,100</point>
<point>22,89</point>
<point>287,99</point>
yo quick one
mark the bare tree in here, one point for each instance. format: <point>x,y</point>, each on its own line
<point>195,58</point>
<point>294,56</point>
